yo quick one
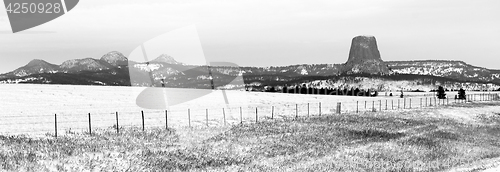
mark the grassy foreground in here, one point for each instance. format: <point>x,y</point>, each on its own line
<point>417,140</point>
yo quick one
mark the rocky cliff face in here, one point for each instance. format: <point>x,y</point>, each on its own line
<point>364,57</point>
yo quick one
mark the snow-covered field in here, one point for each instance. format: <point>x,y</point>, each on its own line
<point>31,108</point>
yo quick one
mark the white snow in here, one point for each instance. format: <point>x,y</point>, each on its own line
<point>304,72</point>
<point>147,68</point>
<point>30,108</point>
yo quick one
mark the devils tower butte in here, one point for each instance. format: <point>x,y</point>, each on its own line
<point>364,57</point>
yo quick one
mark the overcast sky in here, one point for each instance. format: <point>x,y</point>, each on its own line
<point>267,32</point>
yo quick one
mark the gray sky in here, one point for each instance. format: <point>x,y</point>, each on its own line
<point>267,32</point>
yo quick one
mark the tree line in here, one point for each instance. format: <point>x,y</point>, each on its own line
<point>324,91</point>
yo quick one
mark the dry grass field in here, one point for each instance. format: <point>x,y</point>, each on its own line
<point>462,137</point>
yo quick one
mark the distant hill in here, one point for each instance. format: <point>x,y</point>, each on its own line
<point>450,69</point>
<point>114,69</point>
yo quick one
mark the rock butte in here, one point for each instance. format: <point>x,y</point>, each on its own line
<point>364,57</point>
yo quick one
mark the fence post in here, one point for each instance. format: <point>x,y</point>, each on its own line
<point>256,115</point>
<point>207,116</point>
<point>189,117</point>
<point>399,107</point>
<point>404,103</point>
<point>166,119</point>
<point>117,125</point>
<point>357,106</point>
<point>319,108</point>
<point>365,104</point>
<point>272,113</point>
<point>55,124</point>
<point>373,106</point>
<point>386,104</point>
<point>90,126</point>
<point>296,111</point>
<point>392,104</point>
<point>143,128</point>
<point>410,103</point>
<point>241,116</point>
<point>224,116</point>
<point>339,107</point>
<point>380,105</point>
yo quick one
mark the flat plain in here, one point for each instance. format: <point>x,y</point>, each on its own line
<point>31,108</point>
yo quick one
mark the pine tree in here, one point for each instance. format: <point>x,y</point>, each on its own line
<point>461,93</point>
<point>441,93</point>
<point>272,89</point>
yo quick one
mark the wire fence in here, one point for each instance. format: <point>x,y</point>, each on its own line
<point>61,123</point>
